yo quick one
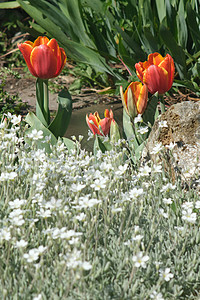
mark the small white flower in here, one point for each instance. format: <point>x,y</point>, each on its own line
<point>86,266</point>
<point>38,297</point>
<point>140,260</point>
<point>168,187</point>
<point>157,169</point>
<point>99,184</point>
<point>158,147</point>
<point>138,119</point>
<point>162,124</point>
<point>171,146</point>
<point>35,135</point>
<point>144,171</point>
<point>77,187</point>
<point>138,237</point>
<point>166,275</point>
<point>135,193</point>
<point>156,296</point>
<point>32,255</point>
<point>197,204</point>
<point>21,244</point>
<point>167,201</point>
<point>186,205</point>
<point>189,216</point>
<point>143,130</point>
<point>16,119</point>
<point>5,234</point>
<point>163,213</point>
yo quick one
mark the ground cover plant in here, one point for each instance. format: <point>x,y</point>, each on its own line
<point>80,226</point>
<point>107,224</point>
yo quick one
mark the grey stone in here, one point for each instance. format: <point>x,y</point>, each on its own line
<point>183,129</point>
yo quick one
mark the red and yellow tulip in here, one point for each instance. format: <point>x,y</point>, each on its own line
<point>157,72</point>
<point>100,126</point>
<point>135,98</point>
<point>44,58</point>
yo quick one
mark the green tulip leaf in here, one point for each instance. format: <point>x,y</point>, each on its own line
<point>101,145</point>
<point>68,143</point>
<point>114,132</point>
<point>61,121</point>
<point>35,123</point>
<point>129,130</point>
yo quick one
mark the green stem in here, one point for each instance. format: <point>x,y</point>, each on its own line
<point>162,104</point>
<point>46,101</point>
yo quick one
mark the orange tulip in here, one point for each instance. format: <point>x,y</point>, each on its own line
<point>44,58</point>
<point>157,72</point>
<point>135,98</point>
<point>98,125</point>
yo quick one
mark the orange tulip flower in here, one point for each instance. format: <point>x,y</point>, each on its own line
<point>135,98</point>
<point>98,125</point>
<point>157,72</point>
<point>44,58</point>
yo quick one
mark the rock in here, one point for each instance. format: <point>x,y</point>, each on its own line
<point>183,130</point>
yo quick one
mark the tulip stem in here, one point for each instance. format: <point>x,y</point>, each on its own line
<point>46,101</point>
<point>162,104</point>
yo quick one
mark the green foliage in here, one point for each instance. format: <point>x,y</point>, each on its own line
<point>97,32</point>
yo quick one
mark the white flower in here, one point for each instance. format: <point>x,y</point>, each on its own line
<point>86,266</point>
<point>144,171</point>
<point>143,130</point>
<point>166,275</point>
<point>156,296</point>
<point>162,124</point>
<point>171,146</point>
<point>138,119</point>
<point>167,201</point>
<point>197,204</point>
<point>8,176</point>
<point>5,234</point>
<point>158,147</point>
<point>186,205</point>
<point>16,203</point>
<point>32,255</point>
<point>99,184</point>
<point>81,217</point>
<point>138,237</point>
<point>189,216</point>
<point>168,187</point>
<point>121,169</point>
<point>158,169</point>
<point>21,244</point>
<point>135,193</point>
<point>16,119</point>
<point>77,187</point>
<point>163,213</point>
<point>35,135</point>
<point>38,297</point>
<point>140,260</point>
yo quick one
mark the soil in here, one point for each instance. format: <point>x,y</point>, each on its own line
<point>25,88</point>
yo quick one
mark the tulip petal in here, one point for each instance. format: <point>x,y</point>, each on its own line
<point>26,50</point>
<point>168,65</point>
<point>105,125</point>
<point>44,62</point>
<point>155,58</point>
<point>156,79</point>
<point>92,123</point>
<point>41,40</point>
<point>142,99</point>
<point>139,70</point>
